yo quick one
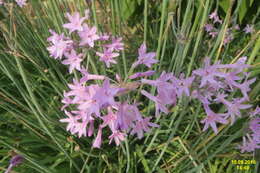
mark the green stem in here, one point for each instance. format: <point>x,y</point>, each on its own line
<point>145,19</point>
<point>127,155</point>
<point>39,109</point>
<point>255,51</point>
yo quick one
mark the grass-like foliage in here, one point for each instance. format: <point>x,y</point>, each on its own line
<point>178,37</point>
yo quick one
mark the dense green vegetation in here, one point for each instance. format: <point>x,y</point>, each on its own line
<point>32,83</point>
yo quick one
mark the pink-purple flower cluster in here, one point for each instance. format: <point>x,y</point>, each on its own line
<point>211,85</point>
<point>213,31</point>
<point>72,50</point>
<point>249,29</point>
<point>89,106</point>
<point>251,141</point>
<point>93,102</point>
<point>86,103</point>
<point>216,85</point>
<point>212,28</point>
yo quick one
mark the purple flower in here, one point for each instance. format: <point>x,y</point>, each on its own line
<point>213,34</point>
<point>215,17</point>
<point>21,3</point>
<point>117,136</point>
<point>77,123</point>
<point>116,44</point>
<point>239,66</point>
<point>203,96</point>
<point>217,20</point>
<point>91,128</point>
<point>253,137</point>
<point>233,107</point>
<point>183,85</point>
<point>254,125</point>
<point>88,36</point>
<point>59,45</point>
<point>66,101</point>
<point>78,90</point>
<point>75,22</point>
<point>108,56</point>
<point>142,74</point>
<point>162,83</point>
<point>81,129</point>
<point>16,160</point>
<point>104,37</point>
<point>1,2</point>
<point>87,76</point>
<point>209,73</point>
<point>165,88</point>
<point>89,103</point>
<point>71,120</point>
<point>118,78</point>
<point>212,118</point>
<point>249,145</point>
<point>105,94</point>
<point>244,87</point>
<point>73,60</point>
<point>159,105</point>
<point>142,126</point>
<point>234,75</point>
<point>97,142</point>
<point>54,37</point>
<point>126,116</point>
<point>231,78</point>
<point>249,29</point>
<point>144,57</point>
<point>209,27</point>
<point>109,119</point>
<point>241,62</point>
